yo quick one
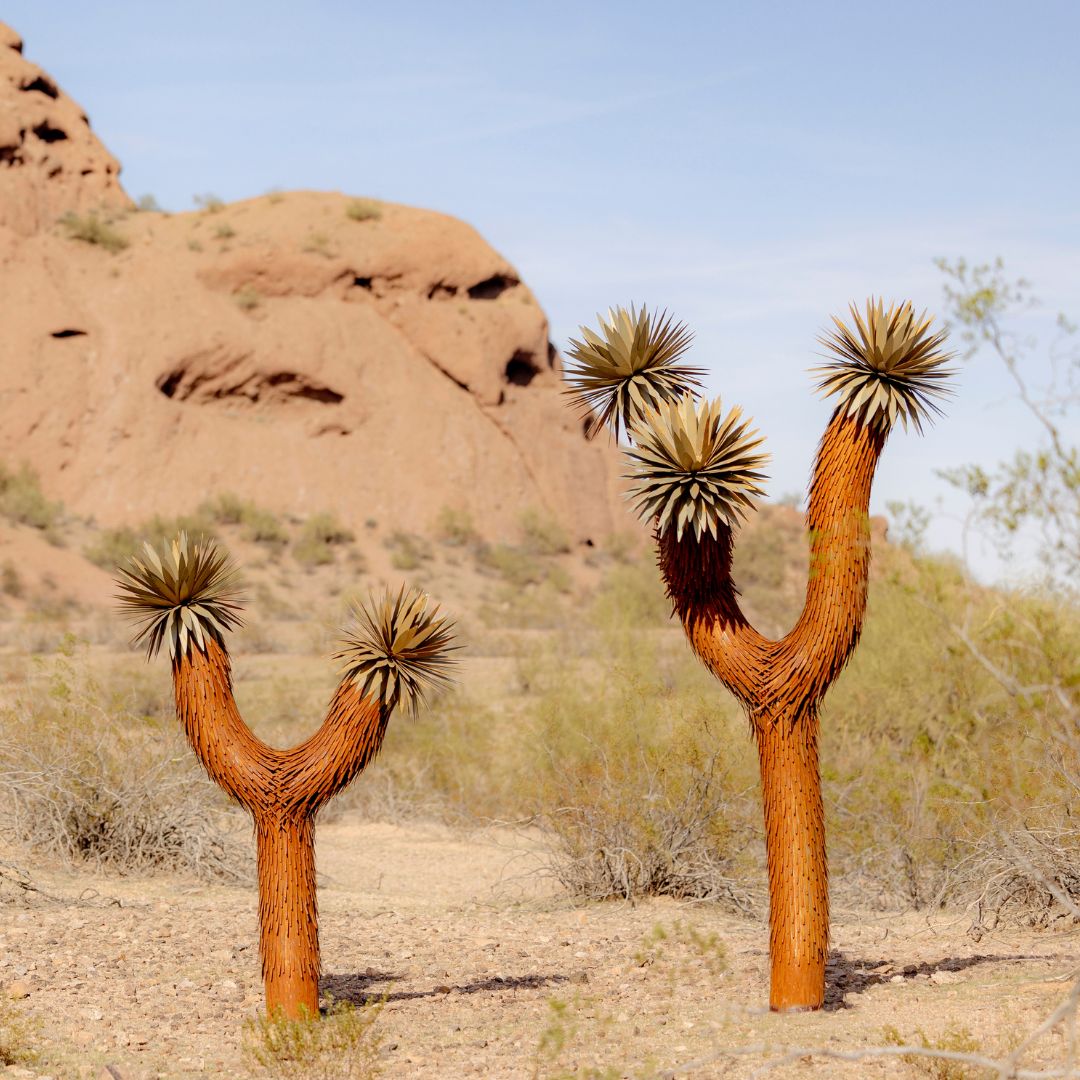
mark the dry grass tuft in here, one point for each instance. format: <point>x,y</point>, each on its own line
<point>84,779</point>
<point>343,1045</point>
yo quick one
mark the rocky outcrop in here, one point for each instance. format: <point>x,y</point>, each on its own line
<point>301,349</point>
<point>50,161</point>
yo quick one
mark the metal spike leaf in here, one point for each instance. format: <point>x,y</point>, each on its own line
<point>631,365</point>
<point>694,467</point>
<point>398,648</point>
<point>890,366</point>
<point>185,594</point>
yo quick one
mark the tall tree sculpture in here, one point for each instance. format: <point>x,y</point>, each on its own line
<point>694,474</point>
<point>398,647</point>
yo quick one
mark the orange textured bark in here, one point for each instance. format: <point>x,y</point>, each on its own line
<point>283,790</point>
<point>781,683</point>
<point>798,870</point>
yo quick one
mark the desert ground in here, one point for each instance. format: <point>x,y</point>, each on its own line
<point>486,968</point>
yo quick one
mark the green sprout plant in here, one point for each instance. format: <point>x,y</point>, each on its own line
<point>695,471</point>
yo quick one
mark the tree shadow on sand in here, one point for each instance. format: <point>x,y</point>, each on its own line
<point>845,977</point>
<point>364,988</point>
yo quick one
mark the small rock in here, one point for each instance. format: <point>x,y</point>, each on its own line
<point>17,989</point>
<point>942,977</point>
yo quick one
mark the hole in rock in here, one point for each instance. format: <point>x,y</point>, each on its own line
<point>68,332</point>
<point>492,287</point>
<point>42,86</point>
<point>47,133</point>
<point>439,291</point>
<point>521,369</point>
<point>167,384</point>
<point>294,386</point>
<point>362,282</point>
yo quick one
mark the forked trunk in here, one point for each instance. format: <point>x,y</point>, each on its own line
<point>283,790</point>
<point>798,870</point>
<point>288,914</point>
<point>780,684</point>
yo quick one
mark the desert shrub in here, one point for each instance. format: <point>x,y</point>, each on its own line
<point>363,210</point>
<point>247,298</point>
<point>148,204</point>
<point>209,203</point>
<point>408,550</point>
<point>542,535</point>
<point>455,527</point>
<point>18,1034</point>
<point>22,500</point>
<point>85,779</point>
<point>320,534</point>
<point>516,566</point>
<point>260,526</point>
<point>263,527</point>
<point>937,778</point>
<point>113,547</point>
<point>343,1045</point>
<point>10,582</point>
<point>225,508</point>
<point>92,229</point>
<point>631,595</point>
<point>954,1038</point>
<point>224,231</point>
<point>649,785</point>
<point>318,243</point>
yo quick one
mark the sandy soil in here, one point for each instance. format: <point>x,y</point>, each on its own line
<point>469,942</point>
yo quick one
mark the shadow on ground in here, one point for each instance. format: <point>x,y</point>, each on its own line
<point>371,986</point>
<point>845,977</point>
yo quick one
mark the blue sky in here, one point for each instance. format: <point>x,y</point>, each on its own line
<point>752,167</point>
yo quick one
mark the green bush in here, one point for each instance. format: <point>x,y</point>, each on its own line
<point>22,501</point>
<point>247,298</point>
<point>18,1033</point>
<point>363,210</point>
<point>260,526</point>
<point>113,547</point>
<point>408,551</point>
<point>91,229</point>
<point>343,1045</point>
<point>455,528</point>
<point>542,535</point>
<point>320,534</point>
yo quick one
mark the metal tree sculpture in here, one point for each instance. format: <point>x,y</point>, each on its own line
<point>694,473</point>
<point>187,597</point>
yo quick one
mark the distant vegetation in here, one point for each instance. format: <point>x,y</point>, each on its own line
<point>363,210</point>
<point>209,203</point>
<point>22,501</point>
<point>92,229</point>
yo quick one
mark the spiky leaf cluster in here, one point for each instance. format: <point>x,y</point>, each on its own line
<point>183,595</point>
<point>693,467</point>
<point>631,365</point>
<point>889,367</point>
<point>398,648</point>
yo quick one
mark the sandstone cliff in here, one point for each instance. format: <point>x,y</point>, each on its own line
<point>307,350</point>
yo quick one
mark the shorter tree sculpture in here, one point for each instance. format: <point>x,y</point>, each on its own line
<point>695,473</point>
<point>398,647</point>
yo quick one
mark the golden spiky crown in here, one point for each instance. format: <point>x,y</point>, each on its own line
<point>693,467</point>
<point>889,367</point>
<point>398,648</point>
<point>183,595</point>
<point>632,364</point>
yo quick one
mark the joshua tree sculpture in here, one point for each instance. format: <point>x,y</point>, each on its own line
<point>694,473</point>
<point>187,598</point>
